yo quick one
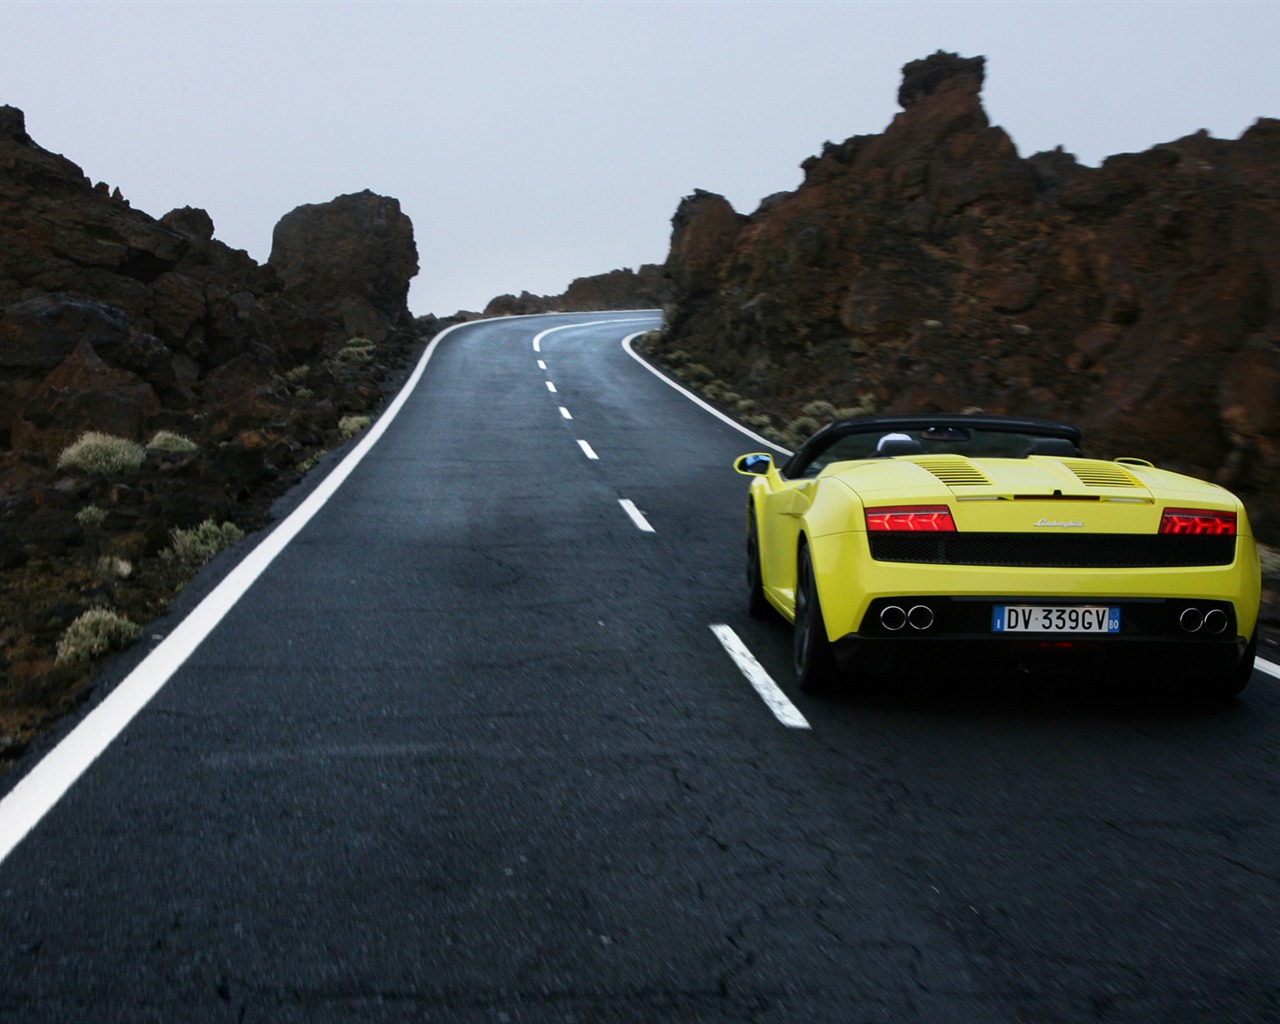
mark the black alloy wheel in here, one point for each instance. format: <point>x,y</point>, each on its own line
<point>757,604</point>
<point>811,656</point>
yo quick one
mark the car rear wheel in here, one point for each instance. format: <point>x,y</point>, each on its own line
<point>757,604</point>
<point>811,655</point>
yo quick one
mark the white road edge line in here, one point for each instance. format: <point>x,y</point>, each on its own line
<point>637,517</point>
<point>1263,666</point>
<point>586,449</point>
<point>626,345</point>
<point>783,710</point>
<point>41,788</point>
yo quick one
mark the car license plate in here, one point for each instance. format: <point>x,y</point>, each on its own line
<point>1054,618</point>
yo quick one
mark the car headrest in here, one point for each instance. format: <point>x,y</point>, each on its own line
<point>891,446</point>
<point>1053,446</point>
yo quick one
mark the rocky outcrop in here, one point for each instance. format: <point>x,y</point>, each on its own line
<point>646,288</point>
<point>933,268</point>
<point>116,322</point>
<point>352,257</point>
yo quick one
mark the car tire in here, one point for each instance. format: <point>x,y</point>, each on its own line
<point>757,604</point>
<point>1223,688</point>
<point>811,656</point>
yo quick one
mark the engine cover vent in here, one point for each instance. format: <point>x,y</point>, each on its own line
<point>953,470</point>
<point>1100,474</point>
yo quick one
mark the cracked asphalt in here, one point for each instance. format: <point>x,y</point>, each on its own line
<point>468,751</point>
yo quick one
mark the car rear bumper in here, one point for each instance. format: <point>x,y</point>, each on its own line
<point>958,633</point>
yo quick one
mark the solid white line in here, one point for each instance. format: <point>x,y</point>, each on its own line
<point>1267,668</point>
<point>626,345</point>
<point>551,387</point>
<point>636,515</point>
<point>586,449</point>
<point>46,783</point>
<point>565,413</point>
<point>785,712</point>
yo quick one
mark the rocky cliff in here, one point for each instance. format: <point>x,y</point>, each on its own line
<point>228,377</point>
<point>646,288</point>
<point>932,268</point>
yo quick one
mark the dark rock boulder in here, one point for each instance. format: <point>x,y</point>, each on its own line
<point>353,257</point>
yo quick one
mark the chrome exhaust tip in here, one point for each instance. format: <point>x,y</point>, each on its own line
<point>1215,620</point>
<point>893,618</point>
<point>920,617</point>
<point>1191,619</point>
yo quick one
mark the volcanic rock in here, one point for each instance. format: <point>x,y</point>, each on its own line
<point>114,322</point>
<point>353,257</point>
<point>932,268</point>
<point>646,288</point>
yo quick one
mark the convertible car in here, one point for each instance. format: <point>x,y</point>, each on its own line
<point>992,543</point>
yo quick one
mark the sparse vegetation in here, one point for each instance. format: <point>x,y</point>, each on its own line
<point>297,375</point>
<point>93,634</point>
<point>119,568</point>
<point>168,441</point>
<point>102,454</point>
<point>91,515</point>
<point>357,350</point>
<point>192,548</point>
<point>349,426</point>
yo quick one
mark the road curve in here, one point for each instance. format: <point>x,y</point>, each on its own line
<point>468,748</point>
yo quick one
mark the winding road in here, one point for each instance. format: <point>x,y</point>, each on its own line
<point>480,731</point>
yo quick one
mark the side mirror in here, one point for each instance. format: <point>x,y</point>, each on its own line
<point>756,464</point>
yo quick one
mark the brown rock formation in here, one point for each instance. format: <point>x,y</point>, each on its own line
<point>115,322</point>
<point>353,257</point>
<point>933,268</point>
<point>646,288</point>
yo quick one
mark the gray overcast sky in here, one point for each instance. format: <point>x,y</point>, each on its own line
<point>532,143</point>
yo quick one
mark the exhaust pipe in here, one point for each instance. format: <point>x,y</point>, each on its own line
<point>1215,621</point>
<point>920,617</point>
<point>1191,619</point>
<point>893,618</point>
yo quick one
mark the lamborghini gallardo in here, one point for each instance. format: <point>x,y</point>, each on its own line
<point>992,543</point>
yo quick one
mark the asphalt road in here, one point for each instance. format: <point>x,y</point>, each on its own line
<point>468,750</point>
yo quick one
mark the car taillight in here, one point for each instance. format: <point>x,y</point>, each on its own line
<point>1198,522</point>
<point>911,518</point>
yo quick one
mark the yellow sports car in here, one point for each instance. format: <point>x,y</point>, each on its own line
<point>990,542</point>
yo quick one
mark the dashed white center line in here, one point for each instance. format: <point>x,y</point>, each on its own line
<point>551,387</point>
<point>565,413</point>
<point>637,517</point>
<point>542,365</point>
<point>785,712</point>
<point>586,449</point>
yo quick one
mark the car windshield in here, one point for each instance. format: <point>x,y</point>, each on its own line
<point>845,442</point>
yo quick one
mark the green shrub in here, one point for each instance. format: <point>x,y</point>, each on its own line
<point>120,568</point>
<point>304,394</point>
<point>696,373</point>
<point>91,515</point>
<point>819,410</point>
<point>192,548</point>
<point>103,454</point>
<point>349,426</point>
<point>93,634</point>
<point>298,374</point>
<point>168,441</point>
<point>357,350</point>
